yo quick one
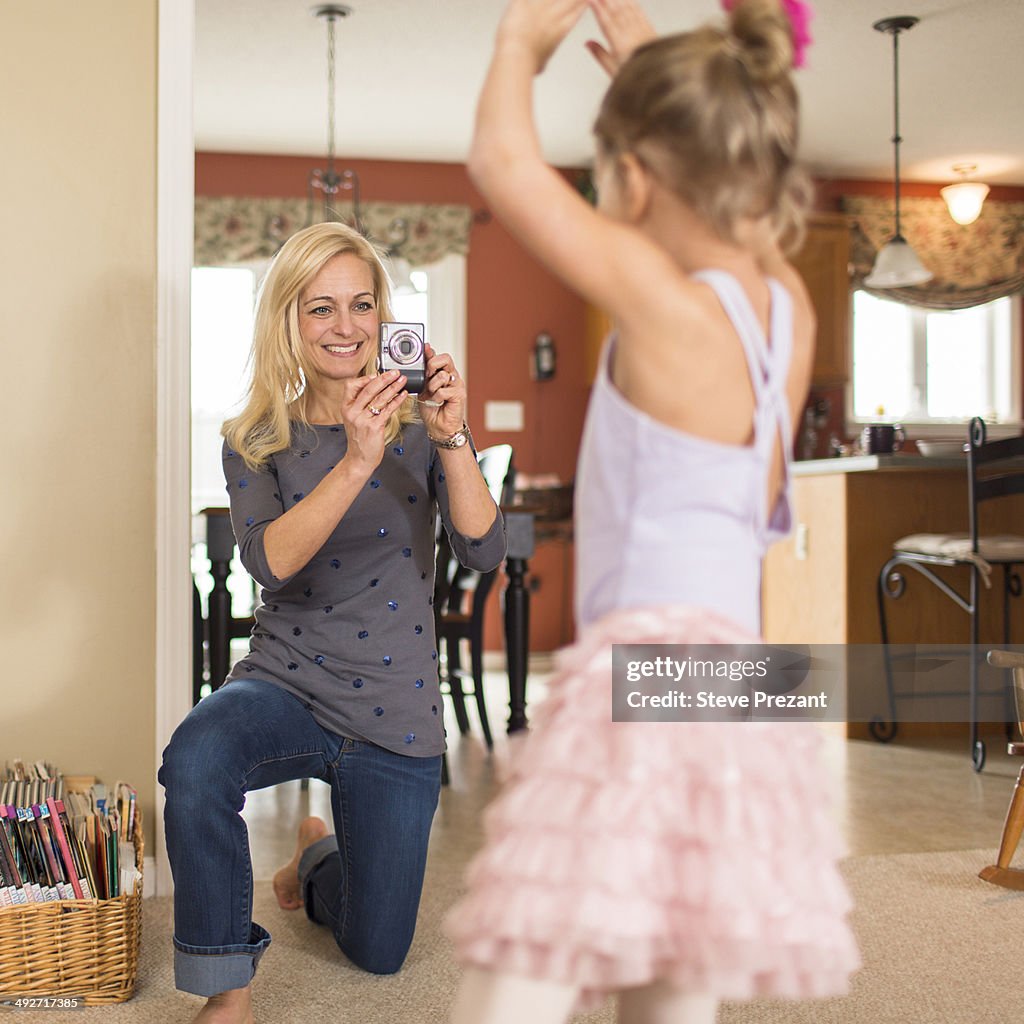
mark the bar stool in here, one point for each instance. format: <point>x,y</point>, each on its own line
<point>995,469</point>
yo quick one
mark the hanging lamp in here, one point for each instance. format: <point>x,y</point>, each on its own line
<point>896,265</point>
<point>964,198</point>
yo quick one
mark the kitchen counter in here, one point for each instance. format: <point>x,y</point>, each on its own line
<point>875,463</point>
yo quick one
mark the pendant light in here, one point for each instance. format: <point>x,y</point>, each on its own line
<point>330,182</point>
<point>897,265</point>
<point>964,198</point>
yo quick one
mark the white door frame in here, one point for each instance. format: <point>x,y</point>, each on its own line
<point>175,204</point>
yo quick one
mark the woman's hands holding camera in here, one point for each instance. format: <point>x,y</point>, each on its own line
<point>366,408</point>
<point>443,398</point>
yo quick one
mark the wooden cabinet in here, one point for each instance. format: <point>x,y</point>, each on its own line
<point>820,583</point>
<point>823,262</point>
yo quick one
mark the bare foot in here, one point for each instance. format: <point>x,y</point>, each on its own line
<point>286,880</point>
<point>232,1007</point>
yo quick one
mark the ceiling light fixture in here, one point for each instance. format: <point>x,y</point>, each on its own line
<point>897,265</point>
<point>330,182</point>
<point>964,198</point>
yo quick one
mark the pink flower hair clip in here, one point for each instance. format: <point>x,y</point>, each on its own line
<point>799,14</point>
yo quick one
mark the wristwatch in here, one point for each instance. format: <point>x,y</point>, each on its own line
<point>457,440</point>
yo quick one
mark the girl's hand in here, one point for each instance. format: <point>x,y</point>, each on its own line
<point>538,26</point>
<point>625,27</point>
<point>368,404</point>
<point>443,399</point>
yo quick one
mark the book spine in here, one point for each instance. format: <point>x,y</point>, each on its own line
<point>71,868</point>
<point>51,859</point>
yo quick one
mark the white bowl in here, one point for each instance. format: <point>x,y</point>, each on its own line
<point>941,449</point>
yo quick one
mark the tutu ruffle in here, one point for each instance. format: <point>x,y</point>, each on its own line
<point>619,853</point>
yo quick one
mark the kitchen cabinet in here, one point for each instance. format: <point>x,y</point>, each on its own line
<point>820,583</point>
<point>823,263</point>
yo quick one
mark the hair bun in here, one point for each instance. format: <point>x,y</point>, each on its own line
<point>764,32</point>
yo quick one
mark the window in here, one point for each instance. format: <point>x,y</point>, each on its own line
<point>923,366</point>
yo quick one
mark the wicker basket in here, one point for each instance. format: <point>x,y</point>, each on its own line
<point>86,949</point>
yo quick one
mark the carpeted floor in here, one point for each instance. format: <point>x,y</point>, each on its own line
<point>939,945</point>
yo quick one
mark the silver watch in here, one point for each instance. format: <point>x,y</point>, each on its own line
<point>457,440</point>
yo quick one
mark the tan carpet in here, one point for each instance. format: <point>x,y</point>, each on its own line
<point>939,945</point>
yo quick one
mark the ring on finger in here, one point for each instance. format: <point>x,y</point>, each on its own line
<point>451,378</point>
<point>374,411</point>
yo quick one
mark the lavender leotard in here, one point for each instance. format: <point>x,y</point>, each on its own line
<point>664,517</point>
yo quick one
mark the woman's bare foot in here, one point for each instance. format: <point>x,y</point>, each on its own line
<point>232,1007</point>
<point>286,880</point>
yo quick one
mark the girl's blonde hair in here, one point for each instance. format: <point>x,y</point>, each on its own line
<point>281,374</point>
<point>714,115</point>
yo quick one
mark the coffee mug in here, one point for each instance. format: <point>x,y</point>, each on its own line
<point>882,438</point>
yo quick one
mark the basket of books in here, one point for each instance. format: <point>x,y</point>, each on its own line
<point>70,892</point>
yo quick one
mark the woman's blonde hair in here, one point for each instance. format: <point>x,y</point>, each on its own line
<point>281,374</point>
<point>714,115</point>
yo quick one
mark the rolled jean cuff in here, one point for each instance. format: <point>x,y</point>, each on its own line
<point>210,970</point>
<point>312,855</point>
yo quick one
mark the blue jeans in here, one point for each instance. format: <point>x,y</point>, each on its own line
<point>364,882</point>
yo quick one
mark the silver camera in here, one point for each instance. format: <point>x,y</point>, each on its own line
<point>401,348</point>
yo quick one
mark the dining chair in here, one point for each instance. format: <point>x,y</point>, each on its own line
<point>1001,873</point>
<point>995,469</point>
<point>460,600</point>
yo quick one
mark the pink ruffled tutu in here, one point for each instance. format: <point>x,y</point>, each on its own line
<point>620,853</point>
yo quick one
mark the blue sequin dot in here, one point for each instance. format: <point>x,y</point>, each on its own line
<point>407,552</point>
<point>433,655</point>
<point>319,659</point>
<point>363,634</point>
<point>292,667</point>
<point>335,564</point>
<point>304,455</point>
<point>423,575</point>
<point>419,684</point>
<point>335,430</point>
<point>433,709</point>
<point>296,631</point>
<point>393,605</point>
<point>277,497</point>
<point>308,591</point>
<point>440,478</point>
<point>382,532</point>
<point>412,499</point>
<point>249,521</point>
<point>378,712</point>
<point>399,450</point>
<point>375,484</point>
<point>243,482</point>
<point>386,659</point>
<point>409,737</point>
<point>374,582</point>
<point>328,608</point>
<point>475,543</point>
<point>298,496</point>
<point>357,683</point>
<point>417,630</point>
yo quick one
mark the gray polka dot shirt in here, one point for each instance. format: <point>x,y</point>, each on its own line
<point>352,633</point>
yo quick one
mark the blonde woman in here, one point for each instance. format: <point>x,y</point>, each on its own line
<point>335,475</point>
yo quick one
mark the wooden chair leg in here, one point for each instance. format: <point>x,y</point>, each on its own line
<point>455,691</point>
<point>478,689</point>
<point>1001,873</point>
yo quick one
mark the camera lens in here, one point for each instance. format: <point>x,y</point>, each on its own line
<point>405,347</point>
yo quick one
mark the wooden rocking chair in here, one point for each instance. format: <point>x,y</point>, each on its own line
<point>1001,873</point>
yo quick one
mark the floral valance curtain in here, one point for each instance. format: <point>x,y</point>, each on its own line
<point>972,263</point>
<point>238,229</point>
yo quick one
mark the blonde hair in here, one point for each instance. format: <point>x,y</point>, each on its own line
<point>281,374</point>
<point>714,115</point>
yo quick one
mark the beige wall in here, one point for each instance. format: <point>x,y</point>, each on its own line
<point>77,287</point>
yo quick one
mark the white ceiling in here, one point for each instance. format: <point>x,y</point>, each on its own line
<point>409,71</point>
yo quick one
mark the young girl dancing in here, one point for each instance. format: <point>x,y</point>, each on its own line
<point>675,864</point>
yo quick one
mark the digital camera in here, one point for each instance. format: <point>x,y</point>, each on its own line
<point>401,348</point>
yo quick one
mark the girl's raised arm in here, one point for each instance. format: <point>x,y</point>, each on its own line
<point>592,253</point>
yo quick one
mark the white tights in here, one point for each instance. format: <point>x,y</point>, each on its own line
<point>488,997</point>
